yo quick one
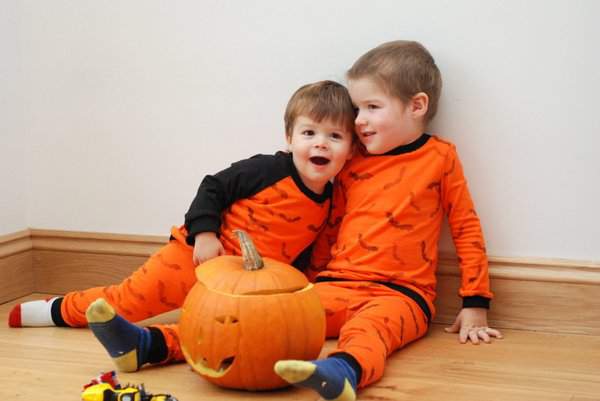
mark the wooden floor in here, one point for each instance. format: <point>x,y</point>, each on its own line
<point>52,364</point>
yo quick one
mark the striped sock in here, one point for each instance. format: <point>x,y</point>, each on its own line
<point>333,378</point>
<point>127,344</point>
<point>35,313</point>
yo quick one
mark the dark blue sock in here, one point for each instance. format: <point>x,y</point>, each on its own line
<point>334,378</point>
<point>329,378</point>
<point>121,337</point>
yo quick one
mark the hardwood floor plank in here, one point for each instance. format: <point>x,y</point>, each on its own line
<point>52,364</point>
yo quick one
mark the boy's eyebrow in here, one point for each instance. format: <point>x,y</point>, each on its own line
<point>306,125</point>
<point>369,100</point>
<point>312,125</point>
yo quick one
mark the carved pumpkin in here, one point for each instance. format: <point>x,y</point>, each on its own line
<point>246,313</point>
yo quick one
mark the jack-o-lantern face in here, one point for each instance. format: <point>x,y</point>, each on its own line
<point>226,327</point>
<point>235,323</point>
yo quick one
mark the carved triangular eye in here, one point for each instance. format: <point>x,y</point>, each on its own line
<point>224,319</point>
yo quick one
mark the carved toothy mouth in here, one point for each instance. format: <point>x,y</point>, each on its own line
<point>201,366</point>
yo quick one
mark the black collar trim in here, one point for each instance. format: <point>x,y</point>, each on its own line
<point>319,198</point>
<point>409,147</point>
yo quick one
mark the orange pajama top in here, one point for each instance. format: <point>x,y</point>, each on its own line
<point>386,220</point>
<point>264,196</point>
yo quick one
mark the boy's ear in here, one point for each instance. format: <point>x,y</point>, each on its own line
<point>288,141</point>
<point>419,104</point>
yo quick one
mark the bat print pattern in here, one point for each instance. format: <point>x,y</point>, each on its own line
<point>364,245</point>
<point>316,229</point>
<point>436,186</point>
<point>163,262</point>
<point>397,224</point>
<point>132,292</point>
<point>289,219</point>
<point>397,180</point>
<point>412,202</point>
<point>412,313</point>
<point>396,254</point>
<point>254,221</point>
<point>360,177</point>
<point>424,252</point>
<point>162,296</point>
<point>478,245</point>
<point>282,193</point>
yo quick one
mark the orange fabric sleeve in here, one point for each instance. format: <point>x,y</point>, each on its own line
<point>465,228</point>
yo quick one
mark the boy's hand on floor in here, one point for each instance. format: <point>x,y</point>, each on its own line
<point>207,246</point>
<point>471,325</point>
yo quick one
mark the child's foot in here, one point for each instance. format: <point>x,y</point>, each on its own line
<point>127,344</point>
<point>34,313</point>
<point>332,378</point>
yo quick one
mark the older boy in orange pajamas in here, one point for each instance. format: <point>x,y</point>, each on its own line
<point>281,200</point>
<point>375,262</point>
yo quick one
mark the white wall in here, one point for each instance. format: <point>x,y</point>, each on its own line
<point>128,104</point>
<point>14,176</point>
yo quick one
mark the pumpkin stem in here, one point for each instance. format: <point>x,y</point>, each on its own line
<point>252,260</point>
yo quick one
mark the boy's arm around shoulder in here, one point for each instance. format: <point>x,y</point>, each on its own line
<point>471,323</point>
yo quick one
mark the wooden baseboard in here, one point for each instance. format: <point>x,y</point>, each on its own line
<point>96,243</point>
<point>16,269</point>
<point>530,294</point>
<point>13,244</point>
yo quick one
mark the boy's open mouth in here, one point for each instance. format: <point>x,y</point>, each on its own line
<point>319,160</point>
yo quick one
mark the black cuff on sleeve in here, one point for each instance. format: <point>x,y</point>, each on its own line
<point>476,301</point>
<point>203,226</point>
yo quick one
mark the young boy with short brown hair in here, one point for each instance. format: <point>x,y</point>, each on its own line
<point>375,261</point>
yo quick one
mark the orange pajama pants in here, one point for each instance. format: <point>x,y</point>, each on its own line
<point>159,285</point>
<point>371,321</point>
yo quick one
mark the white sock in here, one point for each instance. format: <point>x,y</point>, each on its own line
<point>34,313</point>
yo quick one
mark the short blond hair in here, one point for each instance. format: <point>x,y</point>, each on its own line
<point>319,101</point>
<point>403,69</point>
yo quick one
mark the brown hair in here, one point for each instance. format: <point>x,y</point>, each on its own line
<point>318,101</point>
<point>403,69</point>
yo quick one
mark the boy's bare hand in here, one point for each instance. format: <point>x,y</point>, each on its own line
<point>471,325</point>
<point>207,246</point>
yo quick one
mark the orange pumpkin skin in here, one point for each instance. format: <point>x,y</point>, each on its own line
<point>235,324</point>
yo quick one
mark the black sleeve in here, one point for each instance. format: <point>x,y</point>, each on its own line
<point>219,191</point>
